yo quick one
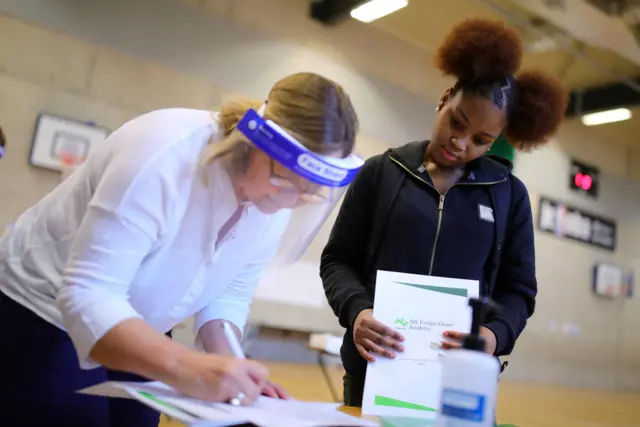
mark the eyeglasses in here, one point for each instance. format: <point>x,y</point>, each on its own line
<point>306,191</point>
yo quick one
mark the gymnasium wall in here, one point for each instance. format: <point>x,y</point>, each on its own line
<point>109,61</point>
<point>577,338</point>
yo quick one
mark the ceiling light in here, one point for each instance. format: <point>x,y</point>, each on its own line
<point>608,116</point>
<point>376,9</point>
<point>542,45</point>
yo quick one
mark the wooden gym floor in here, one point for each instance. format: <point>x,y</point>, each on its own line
<point>526,405</point>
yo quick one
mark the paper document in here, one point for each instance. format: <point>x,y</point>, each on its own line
<point>421,308</point>
<point>266,412</point>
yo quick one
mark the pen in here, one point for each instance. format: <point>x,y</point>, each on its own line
<point>237,351</point>
<point>232,339</point>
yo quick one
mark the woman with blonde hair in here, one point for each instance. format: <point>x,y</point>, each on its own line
<point>176,214</point>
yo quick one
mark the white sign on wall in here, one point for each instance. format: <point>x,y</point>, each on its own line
<point>611,281</point>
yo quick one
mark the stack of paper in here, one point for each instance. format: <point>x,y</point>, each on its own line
<point>266,412</point>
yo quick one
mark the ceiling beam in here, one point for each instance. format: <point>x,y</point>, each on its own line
<point>331,12</point>
<point>600,98</point>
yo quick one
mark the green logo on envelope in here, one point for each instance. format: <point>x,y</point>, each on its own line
<point>401,322</point>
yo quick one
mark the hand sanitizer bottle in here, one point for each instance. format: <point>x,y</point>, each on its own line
<point>469,379</point>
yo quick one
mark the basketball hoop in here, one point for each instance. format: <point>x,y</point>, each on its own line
<point>68,162</point>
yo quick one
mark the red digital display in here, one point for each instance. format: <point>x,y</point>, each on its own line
<point>583,181</point>
<point>584,178</point>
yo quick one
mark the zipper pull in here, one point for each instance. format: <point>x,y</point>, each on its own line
<point>441,205</point>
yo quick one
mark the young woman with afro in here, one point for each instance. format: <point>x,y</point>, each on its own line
<point>442,207</point>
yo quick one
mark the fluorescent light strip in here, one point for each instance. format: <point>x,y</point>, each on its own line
<point>609,116</point>
<point>376,9</point>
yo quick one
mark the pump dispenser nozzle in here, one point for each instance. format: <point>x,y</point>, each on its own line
<point>479,309</point>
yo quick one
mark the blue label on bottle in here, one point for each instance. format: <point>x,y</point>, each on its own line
<point>463,405</point>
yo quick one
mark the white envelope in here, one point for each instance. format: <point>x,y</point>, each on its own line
<point>420,308</point>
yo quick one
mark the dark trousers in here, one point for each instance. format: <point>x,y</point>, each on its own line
<point>353,389</point>
<point>39,377</point>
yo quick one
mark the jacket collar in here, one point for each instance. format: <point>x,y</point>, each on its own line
<point>484,170</point>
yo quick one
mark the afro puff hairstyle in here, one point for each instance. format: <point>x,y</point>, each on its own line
<point>488,52</point>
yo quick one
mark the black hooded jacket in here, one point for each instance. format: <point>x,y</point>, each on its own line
<point>392,218</point>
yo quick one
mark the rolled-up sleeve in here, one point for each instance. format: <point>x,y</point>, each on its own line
<point>234,302</point>
<point>125,218</point>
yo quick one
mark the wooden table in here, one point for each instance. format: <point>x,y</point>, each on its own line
<point>356,412</point>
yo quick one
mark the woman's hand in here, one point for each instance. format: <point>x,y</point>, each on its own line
<point>271,389</point>
<point>371,336</point>
<point>455,339</point>
<point>220,378</point>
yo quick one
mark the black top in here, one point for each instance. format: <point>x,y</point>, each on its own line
<point>429,234</point>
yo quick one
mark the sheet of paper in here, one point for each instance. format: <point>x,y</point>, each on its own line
<point>297,407</point>
<point>266,412</point>
<point>117,389</point>
<point>421,308</point>
<point>294,417</point>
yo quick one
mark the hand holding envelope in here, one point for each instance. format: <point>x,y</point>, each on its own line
<point>423,309</point>
<point>373,337</point>
<point>455,339</point>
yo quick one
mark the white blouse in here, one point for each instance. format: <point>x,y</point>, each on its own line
<point>132,234</point>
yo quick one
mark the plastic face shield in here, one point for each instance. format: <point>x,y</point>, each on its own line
<point>309,184</point>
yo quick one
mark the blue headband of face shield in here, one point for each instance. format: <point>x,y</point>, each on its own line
<point>1,151</point>
<point>280,146</point>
